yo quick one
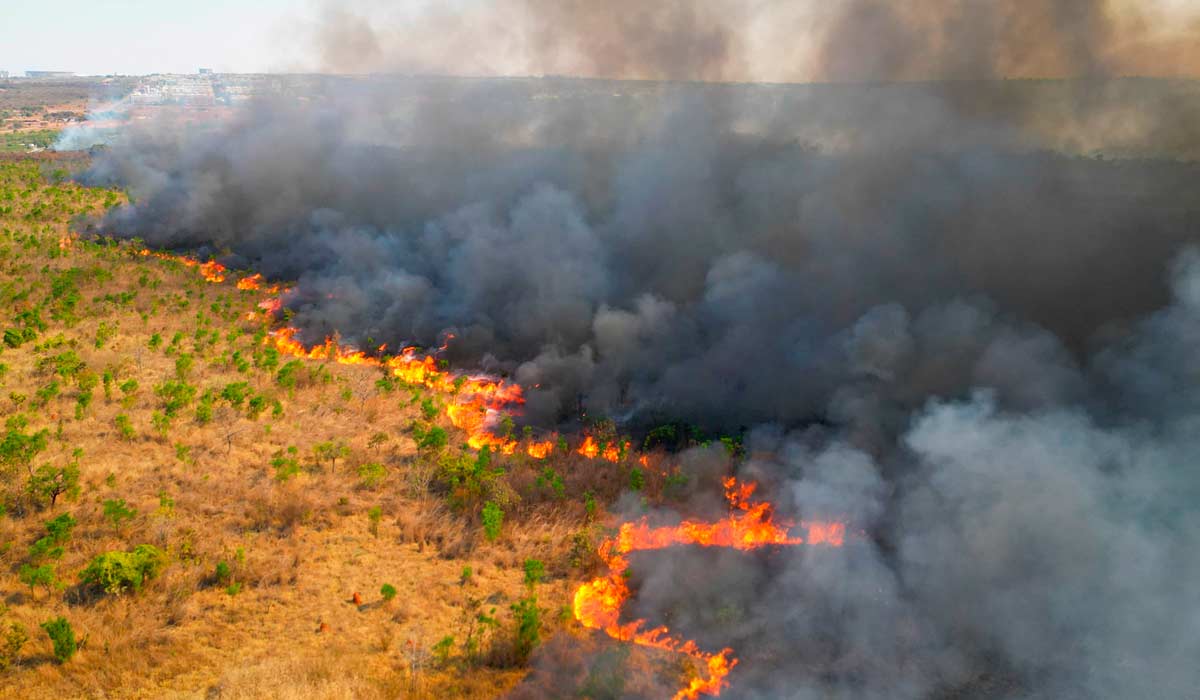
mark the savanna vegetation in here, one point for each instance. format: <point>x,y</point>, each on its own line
<point>188,513</point>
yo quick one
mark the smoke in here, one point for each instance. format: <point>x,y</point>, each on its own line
<point>960,314</point>
<point>731,40</point>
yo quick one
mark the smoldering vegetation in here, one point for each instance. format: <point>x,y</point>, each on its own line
<point>960,315</point>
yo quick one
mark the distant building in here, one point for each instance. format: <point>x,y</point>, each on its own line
<point>206,71</point>
<point>3,75</point>
<point>49,74</point>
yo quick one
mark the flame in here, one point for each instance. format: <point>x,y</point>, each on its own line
<point>598,603</point>
<point>213,271</point>
<point>611,452</point>
<point>252,282</point>
<point>478,402</point>
<point>540,450</point>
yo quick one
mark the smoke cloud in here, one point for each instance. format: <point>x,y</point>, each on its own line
<point>962,315</point>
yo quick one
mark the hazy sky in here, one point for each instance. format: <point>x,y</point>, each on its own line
<point>147,36</point>
<point>180,36</point>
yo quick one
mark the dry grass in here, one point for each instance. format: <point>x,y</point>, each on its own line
<point>298,548</point>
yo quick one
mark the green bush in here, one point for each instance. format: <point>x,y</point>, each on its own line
<point>433,439</point>
<point>58,531</point>
<point>117,512</point>
<point>371,474</point>
<point>176,395</point>
<point>289,374</point>
<point>527,618</point>
<point>375,515</point>
<point>493,519</point>
<point>115,572</point>
<point>388,591</point>
<point>124,427</point>
<point>535,572</point>
<point>63,637</point>
<point>429,409</point>
<point>236,393</point>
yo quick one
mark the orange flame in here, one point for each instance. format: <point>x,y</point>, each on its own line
<point>250,283</point>
<point>213,271</point>
<point>540,450</point>
<point>592,449</point>
<point>598,603</point>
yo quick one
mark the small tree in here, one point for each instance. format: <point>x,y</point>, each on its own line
<point>117,512</point>
<point>330,451</point>
<point>34,576</point>
<point>18,449</point>
<point>49,482</point>
<point>63,638</point>
<point>115,572</point>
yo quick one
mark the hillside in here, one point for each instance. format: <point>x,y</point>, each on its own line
<point>144,405</point>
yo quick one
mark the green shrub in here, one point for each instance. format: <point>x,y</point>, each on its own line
<point>636,479</point>
<point>551,480</point>
<point>58,531</point>
<point>289,374</point>
<point>183,366</point>
<point>493,520</point>
<point>117,512</point>
<point>236,393</point>
<point>115,572</point>
<point>433,439</point>
<point>429,409</point>
<point>63,638</point>
<point>371,474</point>
<point>528,625</point>
<point>375,515</point>
<point>285,463</point>
<point>255,406</point>
<point>388,591</point>
<point>124,427</point>
<point>161,422</point>
<point>176,395</point>
<point>204,408</point>
<point>441,650</point>
<point>535,572</point>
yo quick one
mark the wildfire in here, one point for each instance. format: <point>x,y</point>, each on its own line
<point>252,282</point>
<point>611,452</point>
<point>478,400</point>
<point>540,450</point>
<point>213,271</point>
<point>598,603</point>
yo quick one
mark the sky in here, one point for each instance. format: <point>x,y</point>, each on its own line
<point>149,36</point>
<point>99,37</point>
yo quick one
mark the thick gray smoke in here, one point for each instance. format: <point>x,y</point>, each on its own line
<point>961,315</point>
